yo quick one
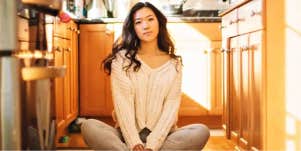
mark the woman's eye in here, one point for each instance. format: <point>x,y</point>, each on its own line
<point>137,22</point>
<point>151,19</point>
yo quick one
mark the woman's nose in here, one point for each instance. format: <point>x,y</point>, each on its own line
<point>145,25</point>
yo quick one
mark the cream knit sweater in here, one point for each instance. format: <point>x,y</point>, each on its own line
<point>148,98</point>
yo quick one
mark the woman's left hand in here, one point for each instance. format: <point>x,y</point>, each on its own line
<point>148,149</point>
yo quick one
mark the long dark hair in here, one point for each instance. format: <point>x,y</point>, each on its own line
<point>130,42</point>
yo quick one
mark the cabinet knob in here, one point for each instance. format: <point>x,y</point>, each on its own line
<point>67,49</point>
<point>224,50</point>
<point>222,27</point>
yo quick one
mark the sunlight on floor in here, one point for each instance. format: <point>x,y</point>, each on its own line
<point>196,81</point>
<point>218,142</point>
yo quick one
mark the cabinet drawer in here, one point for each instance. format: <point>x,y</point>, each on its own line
<point>62,29</point>
<point>60,45</point>
<point>250,17</point>
<point>229,24</point>
<point>23,29</point>
<point>22,45</point>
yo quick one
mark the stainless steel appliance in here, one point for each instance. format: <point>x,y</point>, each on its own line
<point>10,130</point>
<point>14,128</point>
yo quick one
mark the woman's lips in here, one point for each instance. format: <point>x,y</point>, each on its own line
<point>147,33</point>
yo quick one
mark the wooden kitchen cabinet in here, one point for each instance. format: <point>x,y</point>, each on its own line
<point>95,44</point>
<point>234,86</point>
<point>66,88</point>
<point>242,75</point>
<point>255,50</point>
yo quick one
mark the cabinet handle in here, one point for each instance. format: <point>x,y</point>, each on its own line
<point>240,20</point>
<point>78,32</point>
<point>108,32</point>
<point>57,49</point>
<point>232,22</point>
<point>224,50</point>
<point>67,49</point>
<point>244,48</point>
<point>253,47</point>
<point>233,49</point>
<point>236,21</point>
<point>255,13</point>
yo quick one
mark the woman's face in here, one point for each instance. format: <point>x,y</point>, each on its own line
<point>146,24</point>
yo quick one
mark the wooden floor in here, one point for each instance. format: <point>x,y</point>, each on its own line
<point>216,142</point>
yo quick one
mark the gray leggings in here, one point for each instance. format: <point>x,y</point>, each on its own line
<point>101,136</point>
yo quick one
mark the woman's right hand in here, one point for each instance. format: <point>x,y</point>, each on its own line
<point>138,147</point>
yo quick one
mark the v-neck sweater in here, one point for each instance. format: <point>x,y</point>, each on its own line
<point>149,98</point>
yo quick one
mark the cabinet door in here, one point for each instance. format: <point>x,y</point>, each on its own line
<point>95,43</point>
<point>225,89</point>
<point>61,29</point>
<point>74,69</point>
<point>59,86</point>
<point>229,24</point>
<point>215,85</point>
<point>245,102</point>
<point>255,70</point>
<point>250,17</point>
<point>235,89</point>
<point>67,80</point>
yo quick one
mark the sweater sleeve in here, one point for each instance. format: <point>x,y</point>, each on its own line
<point>168,116</point>
<point>123,100</point>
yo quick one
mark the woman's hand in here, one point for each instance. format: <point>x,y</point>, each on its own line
<point>138,147</point>
<point>148,149</point>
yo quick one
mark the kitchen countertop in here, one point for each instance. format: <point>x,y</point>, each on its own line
<point>173,19</point>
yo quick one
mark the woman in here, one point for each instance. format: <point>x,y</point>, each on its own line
<point>146,89</point>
